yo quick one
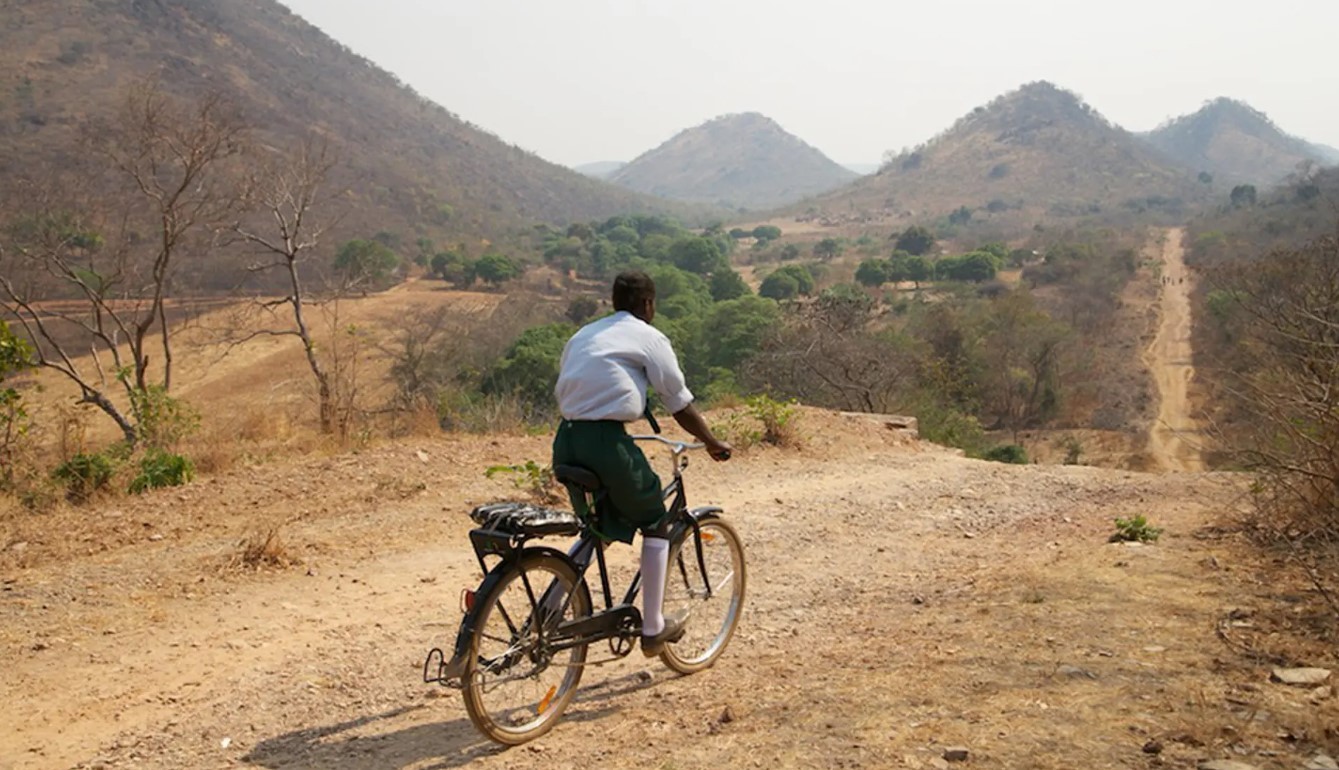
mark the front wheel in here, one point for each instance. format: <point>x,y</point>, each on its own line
<point>710,615</point>
<point>518,678</point>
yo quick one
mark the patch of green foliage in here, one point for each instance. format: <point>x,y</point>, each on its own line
<point>159,468</point>
<point>1135,530</point>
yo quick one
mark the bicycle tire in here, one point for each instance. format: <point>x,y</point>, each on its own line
<point>710,622</point>
<point>502,640</point>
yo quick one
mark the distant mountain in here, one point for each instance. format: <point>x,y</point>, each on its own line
<point>1327,154</point>
<point>601,169</point>
<point>1039,150</point>
<point>414,168</point>
<point>742,161</point>
<point>1234,142</point>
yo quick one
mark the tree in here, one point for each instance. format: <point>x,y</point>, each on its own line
<point>1243,195</point>
<point>915,240</point>
<point>495,269</point>
<point>790,251</point>
<point>873,272</point>
<point>779,286</point>
<point>961,216</point>
<point>766,232</point>
<point>582,309</point>
<point>727,285</point>
<point>15,356</point>
<point>827,248</point>
<point>917,269</point>
<point>738,327</point>
<point>529,368</point>
<point>161,184</point>
<point>975,267</point>
<point>364,263</point>
<point>284,192</point>
<point>697,254</point>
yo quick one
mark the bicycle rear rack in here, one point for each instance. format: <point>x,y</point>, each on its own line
<point>437,669</point>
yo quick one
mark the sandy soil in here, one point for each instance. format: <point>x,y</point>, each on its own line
<point>1175,437</point>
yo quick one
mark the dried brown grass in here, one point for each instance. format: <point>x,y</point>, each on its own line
<point>263,550</point>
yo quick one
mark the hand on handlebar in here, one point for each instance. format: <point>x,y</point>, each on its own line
<point>720,451</point>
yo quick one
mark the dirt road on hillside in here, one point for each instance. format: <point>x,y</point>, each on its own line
<point>1175,438</point>
<point>901,599</point>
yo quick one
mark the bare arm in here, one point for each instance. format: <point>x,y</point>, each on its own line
<point>691,420</point>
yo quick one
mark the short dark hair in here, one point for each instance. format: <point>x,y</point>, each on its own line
<point>631,288</point>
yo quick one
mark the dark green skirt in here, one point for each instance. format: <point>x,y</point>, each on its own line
<point>635,496</point>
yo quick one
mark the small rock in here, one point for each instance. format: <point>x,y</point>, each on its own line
<point>39,646</point>
<point>644,676</point>
<point>727,716</point>
<point>225,743</point>
<point>155,537</point>
<point>1153,746</point>
<point>917,599</point>
<point>19,547</point>
<point>1225,764</point>
<point>956,754</point>
<point>1155,648</point>
<point>939,763</point>
<point>421,455</point>
<point>1303,676</point>
<point>1076,672</point>
<point>1321,762</point>
<point>1321,693</point>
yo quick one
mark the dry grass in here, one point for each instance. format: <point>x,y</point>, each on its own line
<point>264,550</point>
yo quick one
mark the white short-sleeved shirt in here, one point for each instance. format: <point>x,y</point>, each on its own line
<point>607,365</point>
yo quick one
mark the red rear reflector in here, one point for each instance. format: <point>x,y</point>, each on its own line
<point>466,599</point>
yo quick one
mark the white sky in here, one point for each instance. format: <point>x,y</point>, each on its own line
<point>578,81</point>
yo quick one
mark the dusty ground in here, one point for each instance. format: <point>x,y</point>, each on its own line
<point>1175,436</point>
<point>902,599</point>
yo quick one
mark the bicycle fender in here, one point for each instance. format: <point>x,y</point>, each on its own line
<point>490,582</point>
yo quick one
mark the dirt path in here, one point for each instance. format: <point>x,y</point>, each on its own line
<point>901,599</point>
<point>1175,438</point>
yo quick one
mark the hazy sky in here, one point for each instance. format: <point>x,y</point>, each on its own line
<point>587,80</point>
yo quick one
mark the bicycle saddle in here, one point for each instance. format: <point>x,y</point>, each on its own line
<point>583,478</point>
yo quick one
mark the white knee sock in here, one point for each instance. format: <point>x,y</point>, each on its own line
<point>655,563</point>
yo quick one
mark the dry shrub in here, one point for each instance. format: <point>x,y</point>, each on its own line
<point>265,550</point>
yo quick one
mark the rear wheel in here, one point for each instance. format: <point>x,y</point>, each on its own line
<point>710,620</point>
<point>516,684</point>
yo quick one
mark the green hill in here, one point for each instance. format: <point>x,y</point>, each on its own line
<point>1235,143</point>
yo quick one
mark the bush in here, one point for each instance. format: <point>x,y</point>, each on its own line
<point>1006,453</point>
<point>162,469</point>
<point>778,419</point>
<point>1135,530</point>
<point>84,474</point>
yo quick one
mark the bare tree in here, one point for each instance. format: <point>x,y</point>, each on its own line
<point>162,169</point>
<point>285,192</point>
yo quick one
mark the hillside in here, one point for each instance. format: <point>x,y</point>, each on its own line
<point>1233,142</point>
<point>740,161</point>
<point>413,167</point>
<point>600,169</point>
<point>1037,152</point>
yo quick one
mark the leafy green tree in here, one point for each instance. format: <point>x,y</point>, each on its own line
<point>975,267</point>
<point>727,285</point>
<point>827,248</point>
<point>679,293</point>
<point>873,272</point>
<point>363,262</point>
<point>529,367</point>
<point>790,251</point>
<point>623,234</point>
<point>496,269</point>
<point>804,277</point>
<point>697,254</point>
<point>915,240</point>
<point>779,286</point>
<point>582,309</point>
<point>738,327</point>
<point>766,232</point>
<point>917,269</point>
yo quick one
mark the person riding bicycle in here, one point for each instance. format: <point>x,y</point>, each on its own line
<point>603,376</point>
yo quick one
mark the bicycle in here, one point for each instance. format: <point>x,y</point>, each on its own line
<point>519,655</point>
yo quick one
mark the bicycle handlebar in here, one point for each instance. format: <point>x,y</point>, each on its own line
<point>677,446</point>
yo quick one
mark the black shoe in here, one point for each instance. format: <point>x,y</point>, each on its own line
<point>673,632</point>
